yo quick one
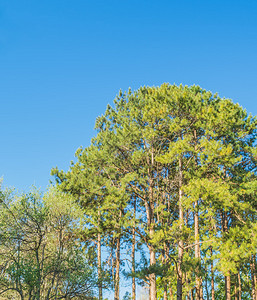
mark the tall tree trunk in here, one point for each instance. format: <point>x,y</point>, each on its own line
<point>99,261</point>
<point>198,288</point>
<point>165,255</point>
<point>165,287</point>
<point>99,267</point>
<point>212,278</point>
<point>117,263</point>
<point>165,292</point>
<point>228,287</point>
<point>149,207</point>
<point>117,274</point>
<point>152,276</point>
<point>199,291</point>
<point>171,293</point>
<point>167,250</point>
<point>239,287</point>
<point>253,277</point>
<point>180,243</point>
<point>236,290</point>
<point>150,223</point>
<point>133,255</point>
<point>228,277</point>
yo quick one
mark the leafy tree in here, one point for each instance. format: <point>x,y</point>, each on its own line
<point>187,158</point>
<point>41,258</point>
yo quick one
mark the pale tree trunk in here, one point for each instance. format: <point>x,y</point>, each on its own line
<point>153,292</point>
<point>186,276</point>
<point>149,208</point>
<point>165,256</point>
<point>239,287</point>
<point>171,293</point>
<point>228,287</point>
<point>165,288</point>
<point>133,255</point>
<point>198,288</point>
<point>117,264</point>
<point>199,291</point>
<point>180,243</point>
<point>165,293</point>
<point>113,260</point>
<point>99,261</point>
<point>236,291</point>
<point>253,277</point>
<point>150,222</point>
<point>236,288</point>
<point>167,251</point>
<point>117,274</point>
<point>99,267</point>
<point>168,283</point>
<point>212,279</point>
<point>228,277</point>
<point>152,277</point>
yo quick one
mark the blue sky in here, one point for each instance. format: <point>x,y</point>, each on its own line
<point>62,62</point>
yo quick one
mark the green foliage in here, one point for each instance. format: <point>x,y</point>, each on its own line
<point>170,173</point>
<point>41,257</point>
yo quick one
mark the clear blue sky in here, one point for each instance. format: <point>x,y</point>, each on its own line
<point>62,62</point>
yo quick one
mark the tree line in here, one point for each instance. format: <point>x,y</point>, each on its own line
<point>167,189</point>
